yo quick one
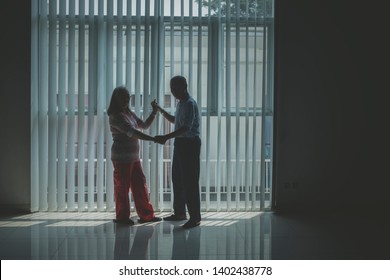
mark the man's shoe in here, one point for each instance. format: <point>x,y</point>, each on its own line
<point>175,218</point>
<point>191,224</point>
<point>155,219</point>
<point>124,222</point>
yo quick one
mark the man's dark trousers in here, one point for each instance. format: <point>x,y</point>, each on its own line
<point>185,176</point>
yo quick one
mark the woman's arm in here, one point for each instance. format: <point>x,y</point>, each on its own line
<point>119,124</point>
<point>146,124</point>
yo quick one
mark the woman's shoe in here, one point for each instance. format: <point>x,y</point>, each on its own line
<point>124,222</point>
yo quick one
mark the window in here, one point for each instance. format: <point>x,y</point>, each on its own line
<point>83,49</point>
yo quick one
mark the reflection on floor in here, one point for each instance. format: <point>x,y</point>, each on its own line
<point>221,236</point>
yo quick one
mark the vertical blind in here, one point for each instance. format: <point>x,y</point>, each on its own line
<point>83,49</point>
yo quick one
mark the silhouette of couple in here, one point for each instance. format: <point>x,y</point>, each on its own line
<point>125,127</point>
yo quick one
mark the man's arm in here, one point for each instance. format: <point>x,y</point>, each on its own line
<point>161,139</point>
<point>165,114</point>
<point>186,126</point>
<point>168,116</point>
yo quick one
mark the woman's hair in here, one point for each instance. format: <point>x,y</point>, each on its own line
<point>120,95</point>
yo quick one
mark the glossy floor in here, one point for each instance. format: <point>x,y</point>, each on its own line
<point>221,236</point>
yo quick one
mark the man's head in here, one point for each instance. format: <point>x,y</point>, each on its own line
<point>179,87</point>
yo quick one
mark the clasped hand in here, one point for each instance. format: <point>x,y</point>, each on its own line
<point>155,106</point>
<point>161,139</point>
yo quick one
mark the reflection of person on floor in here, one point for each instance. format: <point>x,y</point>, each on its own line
<point>186,244</point>
<point>139,250</point>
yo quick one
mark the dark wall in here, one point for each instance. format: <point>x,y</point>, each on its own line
<point>331,143</point>
<point>15,29</point>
